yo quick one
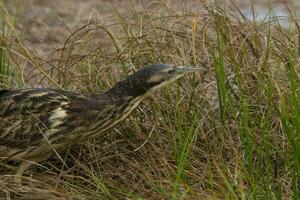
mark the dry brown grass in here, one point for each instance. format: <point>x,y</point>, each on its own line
<point>218,135</point>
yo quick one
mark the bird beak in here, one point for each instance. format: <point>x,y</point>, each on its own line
<point>188,69</point>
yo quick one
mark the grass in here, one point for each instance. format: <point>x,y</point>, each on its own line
<point>4,61</point>
<point>229,133</point>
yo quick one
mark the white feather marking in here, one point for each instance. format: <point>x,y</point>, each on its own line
<point>39,94</point>
<point>57,116</point>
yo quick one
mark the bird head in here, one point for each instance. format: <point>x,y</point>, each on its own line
<point>156,76</point>
<point>150,79</point>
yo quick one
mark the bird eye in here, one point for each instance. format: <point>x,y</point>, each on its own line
<point>172,71</point>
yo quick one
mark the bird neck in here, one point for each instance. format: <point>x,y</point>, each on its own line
<point>127,89</point>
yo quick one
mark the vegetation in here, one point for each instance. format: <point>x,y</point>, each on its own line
<point>229,133</point>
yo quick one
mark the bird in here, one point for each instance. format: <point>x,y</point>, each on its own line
<point>39,122</point>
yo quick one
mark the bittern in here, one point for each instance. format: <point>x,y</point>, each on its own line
<point>35,123</point>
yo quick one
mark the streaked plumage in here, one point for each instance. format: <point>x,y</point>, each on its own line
<point>38,122</point>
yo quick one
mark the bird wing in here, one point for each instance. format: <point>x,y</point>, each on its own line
<point>25,115</point>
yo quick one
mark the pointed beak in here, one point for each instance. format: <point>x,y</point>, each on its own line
<point>188,69</point>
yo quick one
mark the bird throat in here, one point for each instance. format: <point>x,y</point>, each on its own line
<point>129,104</point>
<point>122,109</point>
